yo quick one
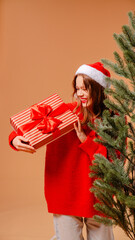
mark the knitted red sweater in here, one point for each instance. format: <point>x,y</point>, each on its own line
<point>67,169</point>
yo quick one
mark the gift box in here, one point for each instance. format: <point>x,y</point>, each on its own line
<point>44,122</point>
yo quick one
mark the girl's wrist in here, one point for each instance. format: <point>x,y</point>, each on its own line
<point>83,137</point>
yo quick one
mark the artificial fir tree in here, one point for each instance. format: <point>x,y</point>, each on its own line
<point>115,184</point>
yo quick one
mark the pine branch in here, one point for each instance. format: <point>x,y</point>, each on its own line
<point>131,127</point>
<point>113,106</point>
<point>114,67</point>
<point>129,56</point>
<point>115,182</point>
<point>129,34</point>
<point>132,19</point>
<point>129,166</point>
<point>120,39</point>
<point>104,220</point>
<point>119,60</point>
<point>122,89</point>
<point>131,69</point>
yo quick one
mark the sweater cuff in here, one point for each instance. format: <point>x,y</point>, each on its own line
<point>11,137</point>
<point>89,145</point>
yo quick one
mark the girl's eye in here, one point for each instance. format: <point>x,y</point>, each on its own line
<point>84,89</point>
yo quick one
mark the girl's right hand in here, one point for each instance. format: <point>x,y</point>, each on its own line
<point>22,144</point>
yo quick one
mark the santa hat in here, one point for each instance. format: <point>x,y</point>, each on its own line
<point>96,71</point>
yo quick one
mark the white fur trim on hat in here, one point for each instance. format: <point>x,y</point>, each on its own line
<point>93,73</point>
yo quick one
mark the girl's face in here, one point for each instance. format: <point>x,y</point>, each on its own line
<point>82,92</point>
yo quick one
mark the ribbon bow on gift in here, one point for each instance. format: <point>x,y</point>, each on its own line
<point>48,124</point>
<point>44,116</point>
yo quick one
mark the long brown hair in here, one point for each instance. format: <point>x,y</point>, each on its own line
<point>96,97</point>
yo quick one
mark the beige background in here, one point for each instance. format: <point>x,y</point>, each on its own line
<point>42,43</point>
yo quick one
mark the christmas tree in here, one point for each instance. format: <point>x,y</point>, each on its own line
<point>115,179</point>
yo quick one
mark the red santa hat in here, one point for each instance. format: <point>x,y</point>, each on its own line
<point>96,71</point>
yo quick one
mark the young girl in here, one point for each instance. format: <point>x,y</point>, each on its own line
<point>68,161</point>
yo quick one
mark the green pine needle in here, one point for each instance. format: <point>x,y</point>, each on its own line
<point>129,34</point>
<point>132,19</point>
<point>114,181</point>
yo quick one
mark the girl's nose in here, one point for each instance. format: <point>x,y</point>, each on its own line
<point>80,92</point>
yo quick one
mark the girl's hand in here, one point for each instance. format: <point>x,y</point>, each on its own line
<point>80,133</point>
<point>22,144</point>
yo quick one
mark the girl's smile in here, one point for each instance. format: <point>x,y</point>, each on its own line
<point>81,91</point>
<point>83,100</point>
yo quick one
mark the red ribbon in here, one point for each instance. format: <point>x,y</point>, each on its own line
<point>44,116</point>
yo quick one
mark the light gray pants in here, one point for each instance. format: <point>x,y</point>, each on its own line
<point>70,228</point>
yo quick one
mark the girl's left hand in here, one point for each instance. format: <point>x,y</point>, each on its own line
<point>80,133</point>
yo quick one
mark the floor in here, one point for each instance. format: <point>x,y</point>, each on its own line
<point>28,223</point>
<point>33,223</point>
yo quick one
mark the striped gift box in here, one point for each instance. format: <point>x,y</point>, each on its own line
<point>35,136</point>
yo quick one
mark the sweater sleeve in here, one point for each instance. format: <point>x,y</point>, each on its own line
<point>11,137</point>
<point>91,147</point>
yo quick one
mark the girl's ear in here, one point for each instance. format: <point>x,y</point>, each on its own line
<point>75,95</point>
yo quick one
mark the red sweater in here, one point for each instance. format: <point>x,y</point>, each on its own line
<point>67,168</point>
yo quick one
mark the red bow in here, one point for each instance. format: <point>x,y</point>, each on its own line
<point>47,124</point>
<point>43,116</point>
